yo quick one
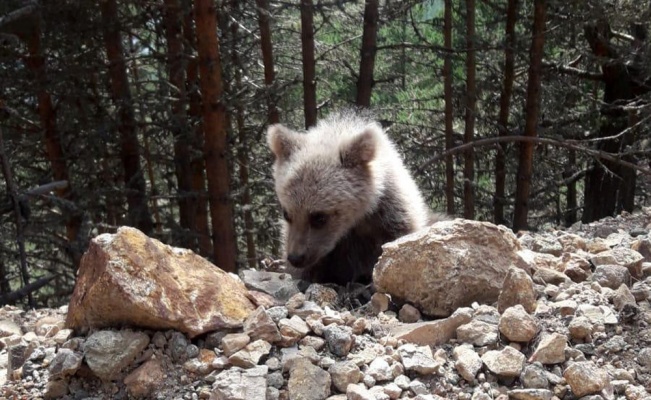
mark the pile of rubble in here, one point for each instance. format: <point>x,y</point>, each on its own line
<point>556,315</point>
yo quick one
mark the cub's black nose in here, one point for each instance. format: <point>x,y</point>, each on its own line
<point>297,260</point>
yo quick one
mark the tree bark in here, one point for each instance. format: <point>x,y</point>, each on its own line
<point>180,129</point>
<point>449,116</point>
<point>610,188</point>
<point>199,198</point>
<point>532,110</point>
<point>471,108</point>
<point>367,54</point>
<point>309,63</point>
<point>53,148</point>
<point>503,118</point>
<point>215,136</point>
<point>243,152</point>
<point>267,59</point>
<point>138,210</point>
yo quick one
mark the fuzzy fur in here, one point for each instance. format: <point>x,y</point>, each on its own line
<point>345,191</point>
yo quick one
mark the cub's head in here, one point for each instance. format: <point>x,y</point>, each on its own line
<point>325,183</point>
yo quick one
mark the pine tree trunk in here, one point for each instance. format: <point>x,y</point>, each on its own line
<point>215,136</point>
<point>367,54</point>
<point>138,212</point>
<point>505,107</point>
<point>449,116</point>
<point>532,110</point>
<point>267,59</point>
<point>243,152</point>
<point>53,148</point>
<point>471,107</point>
<point>180,129</point>
<point>199,198</point>
<point>309,63</point>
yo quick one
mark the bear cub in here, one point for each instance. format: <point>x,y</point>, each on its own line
<point>344,192</point>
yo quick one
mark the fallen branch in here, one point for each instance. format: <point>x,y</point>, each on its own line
<point>26,290</point>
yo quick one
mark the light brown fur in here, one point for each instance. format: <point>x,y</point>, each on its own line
<point>344,191</point>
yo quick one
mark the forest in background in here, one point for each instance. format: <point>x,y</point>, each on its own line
<point>153,114</point>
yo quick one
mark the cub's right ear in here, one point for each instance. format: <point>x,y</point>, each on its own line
<point>282,141</point>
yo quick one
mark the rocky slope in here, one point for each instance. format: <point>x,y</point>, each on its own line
<point>568,318</point>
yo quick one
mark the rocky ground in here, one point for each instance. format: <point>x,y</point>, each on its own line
<point>568,318</point>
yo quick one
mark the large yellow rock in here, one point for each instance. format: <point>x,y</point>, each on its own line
<point>129,279</point>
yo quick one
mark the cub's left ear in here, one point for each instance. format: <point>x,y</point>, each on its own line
<point>361,149</point>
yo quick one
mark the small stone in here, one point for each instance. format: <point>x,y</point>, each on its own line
<point>260,326</point>
<point>550,350</point>
<point>234,342</point>
<point>380,370</point>
<point>358,392</point>
<point>108,352</point>
<point>177,344</point>
<point>644,357</point>
<point>251,354</point>
<point>517,325</point>
<point>546,276</point>
<point>339,339</point>
<point>418,359</point>
<point>611,276</point>
<point>322,295</point>
<point>585,378</point>
<point>468,362</point>
<point>507,362</point>
<point>392,390</point>
<point>402,381</point>
<point>478,333</point>
<point>534,377</point>
<point>145,379</point>
<point>308,382</point>
<point>517,288</point>
<point>418,387</point>
<point>531,394</point>
<point>65,363</point>
<point>379,302</point>
<point>408,314</point>
<point>277,313</point>
<point>344,373</point>
<point>292,330</point>
<point>56,389</point>
<point>580,328</point>
<point>623,300</point>
<point>239,384</point>
<point>314,342</point>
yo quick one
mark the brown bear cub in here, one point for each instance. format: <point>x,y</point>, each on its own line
<point>344,192</point>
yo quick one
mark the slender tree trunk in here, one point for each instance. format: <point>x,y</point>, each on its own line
<point>367,53</point>
<point>505,108</point>
<point>180,130</point>
<point>571,206</point>
<point>471,108</point>
<point>53,148</point>
<point>20,229</point>
<point>449,116</point>
<point>309,64</point>
<point>199,198</point>
<point>267,58</point>
<point>532,109</point>
<point>215,136</point>
<point>243,152</point>
<point>138,213</point>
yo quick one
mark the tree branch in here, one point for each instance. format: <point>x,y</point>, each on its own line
<point>569,70</point>
<point>614,158</point>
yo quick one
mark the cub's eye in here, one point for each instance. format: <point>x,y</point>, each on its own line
<point>318,220</point>
<point>286,216</point>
